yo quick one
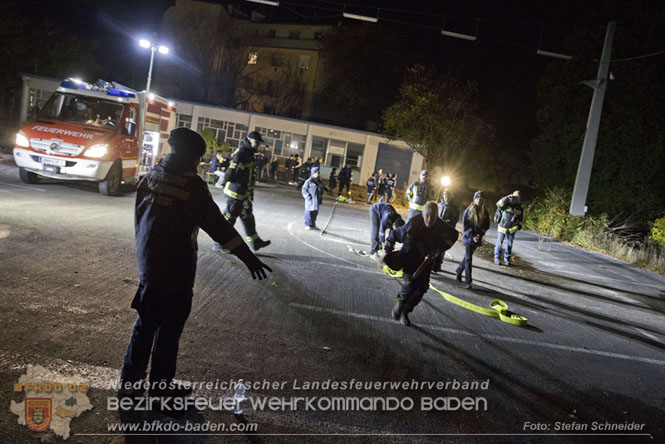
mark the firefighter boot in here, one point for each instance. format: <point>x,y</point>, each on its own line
<point>259,243</point>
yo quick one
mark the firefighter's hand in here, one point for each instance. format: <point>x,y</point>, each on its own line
<point>253,264</point>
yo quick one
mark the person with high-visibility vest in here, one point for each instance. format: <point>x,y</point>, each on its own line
<point>510,221</point>
<point>417,194</point>
<point>239,181</point>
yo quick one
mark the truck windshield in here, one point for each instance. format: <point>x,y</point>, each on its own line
<point>82,110</point>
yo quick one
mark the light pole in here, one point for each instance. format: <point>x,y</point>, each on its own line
<point>153,46</point>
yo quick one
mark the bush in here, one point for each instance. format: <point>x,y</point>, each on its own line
<point>658,231</point>
<point>549,215</point>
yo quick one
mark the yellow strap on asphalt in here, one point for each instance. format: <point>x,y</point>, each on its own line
<point>498,308</point>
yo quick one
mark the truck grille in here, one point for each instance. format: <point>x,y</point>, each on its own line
<point>56,147</point>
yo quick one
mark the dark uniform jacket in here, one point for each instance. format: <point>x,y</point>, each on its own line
<point>241,173</point>
<point>386,215</point>
<point>418,241</point>
<point>469,229</point>
<point>172,202</point>
<point>345,175</point>
<point>449,213</point>
<point>510,207</point>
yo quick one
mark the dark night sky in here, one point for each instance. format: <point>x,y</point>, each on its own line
<point>503,60</point>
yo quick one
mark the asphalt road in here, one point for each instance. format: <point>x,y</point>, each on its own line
<point>593,352</point>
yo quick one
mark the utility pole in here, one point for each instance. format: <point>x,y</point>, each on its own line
<point>577,204</point>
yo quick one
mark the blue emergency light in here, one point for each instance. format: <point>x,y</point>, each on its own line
<point>120,93</point>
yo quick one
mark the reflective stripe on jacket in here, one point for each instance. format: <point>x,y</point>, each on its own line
<point>241,173</point>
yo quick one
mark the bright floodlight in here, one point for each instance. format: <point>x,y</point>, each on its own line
<point>445,181</point>
<point>144,43</point>
<point>163,49</point>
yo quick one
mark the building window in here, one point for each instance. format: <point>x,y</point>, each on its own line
<point>184,120</point>
<point>354,154</point>
<point>319,147</point>
<point>303,62</point>
<point>294,35</point>
<point>253,58</point>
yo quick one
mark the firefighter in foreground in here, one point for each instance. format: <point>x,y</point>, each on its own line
<point>510,220</point>
<point>240,177</point>
<point>172,202</point>
<point>424,237</point>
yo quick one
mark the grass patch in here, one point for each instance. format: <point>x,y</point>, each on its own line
<point>549,215</point>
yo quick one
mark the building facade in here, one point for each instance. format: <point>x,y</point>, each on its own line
<point>366,152</point>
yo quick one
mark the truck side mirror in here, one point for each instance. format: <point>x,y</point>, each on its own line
<point>129,128</point>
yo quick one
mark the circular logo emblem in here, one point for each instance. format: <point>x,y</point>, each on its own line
<point>55,146</point>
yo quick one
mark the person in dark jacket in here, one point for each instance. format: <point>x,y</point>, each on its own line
<point>305,172</point>
<point>345,178</point>
<point>371,186</point>
<point>423,238</point>
<point>383,216</point>
<point>475,222</point>
<point>417,194</point>
<point>274,165</point>
<point>390,186</point>
<point>511,220</point>
<point>449,214</point>
<point>217,167</point>
<point>332,181</point>
<point>240,177</point>
<point>172,203</point>
<point>312,191</point>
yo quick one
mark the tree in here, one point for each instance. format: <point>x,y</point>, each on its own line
<point>211,58</point>
<point>364,65</point>
<point>630,153</point>
<point>436,115</point>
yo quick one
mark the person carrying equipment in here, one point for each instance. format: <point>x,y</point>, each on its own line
<point>383,216</point>
<point>423,238</point>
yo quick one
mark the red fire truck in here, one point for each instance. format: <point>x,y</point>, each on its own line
<point>93,132</point>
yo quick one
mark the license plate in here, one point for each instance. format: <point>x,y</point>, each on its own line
<point>51,169</point>
<point>52,161</point>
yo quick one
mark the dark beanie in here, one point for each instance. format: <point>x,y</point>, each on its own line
<point>479,193</point>
<point>187,143</point>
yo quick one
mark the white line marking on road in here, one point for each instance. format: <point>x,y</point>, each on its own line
<point>21,186</point>
<point>650,336</point>
<point>486,335</point>
<point>364,270</point>
<point>315,248</point>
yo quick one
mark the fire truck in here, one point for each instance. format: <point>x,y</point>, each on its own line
<point>102,132</point>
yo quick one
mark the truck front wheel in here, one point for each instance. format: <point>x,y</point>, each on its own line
<point>27,177</point>
<point>111,185</point>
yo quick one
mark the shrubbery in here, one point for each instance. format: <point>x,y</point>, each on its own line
<point>549,215</point>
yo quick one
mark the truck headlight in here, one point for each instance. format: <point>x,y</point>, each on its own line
<point>97,151</point>
<point>22,141</point>
<point>445,181</point>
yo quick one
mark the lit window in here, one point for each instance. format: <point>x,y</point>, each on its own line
<point>253,57</point>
